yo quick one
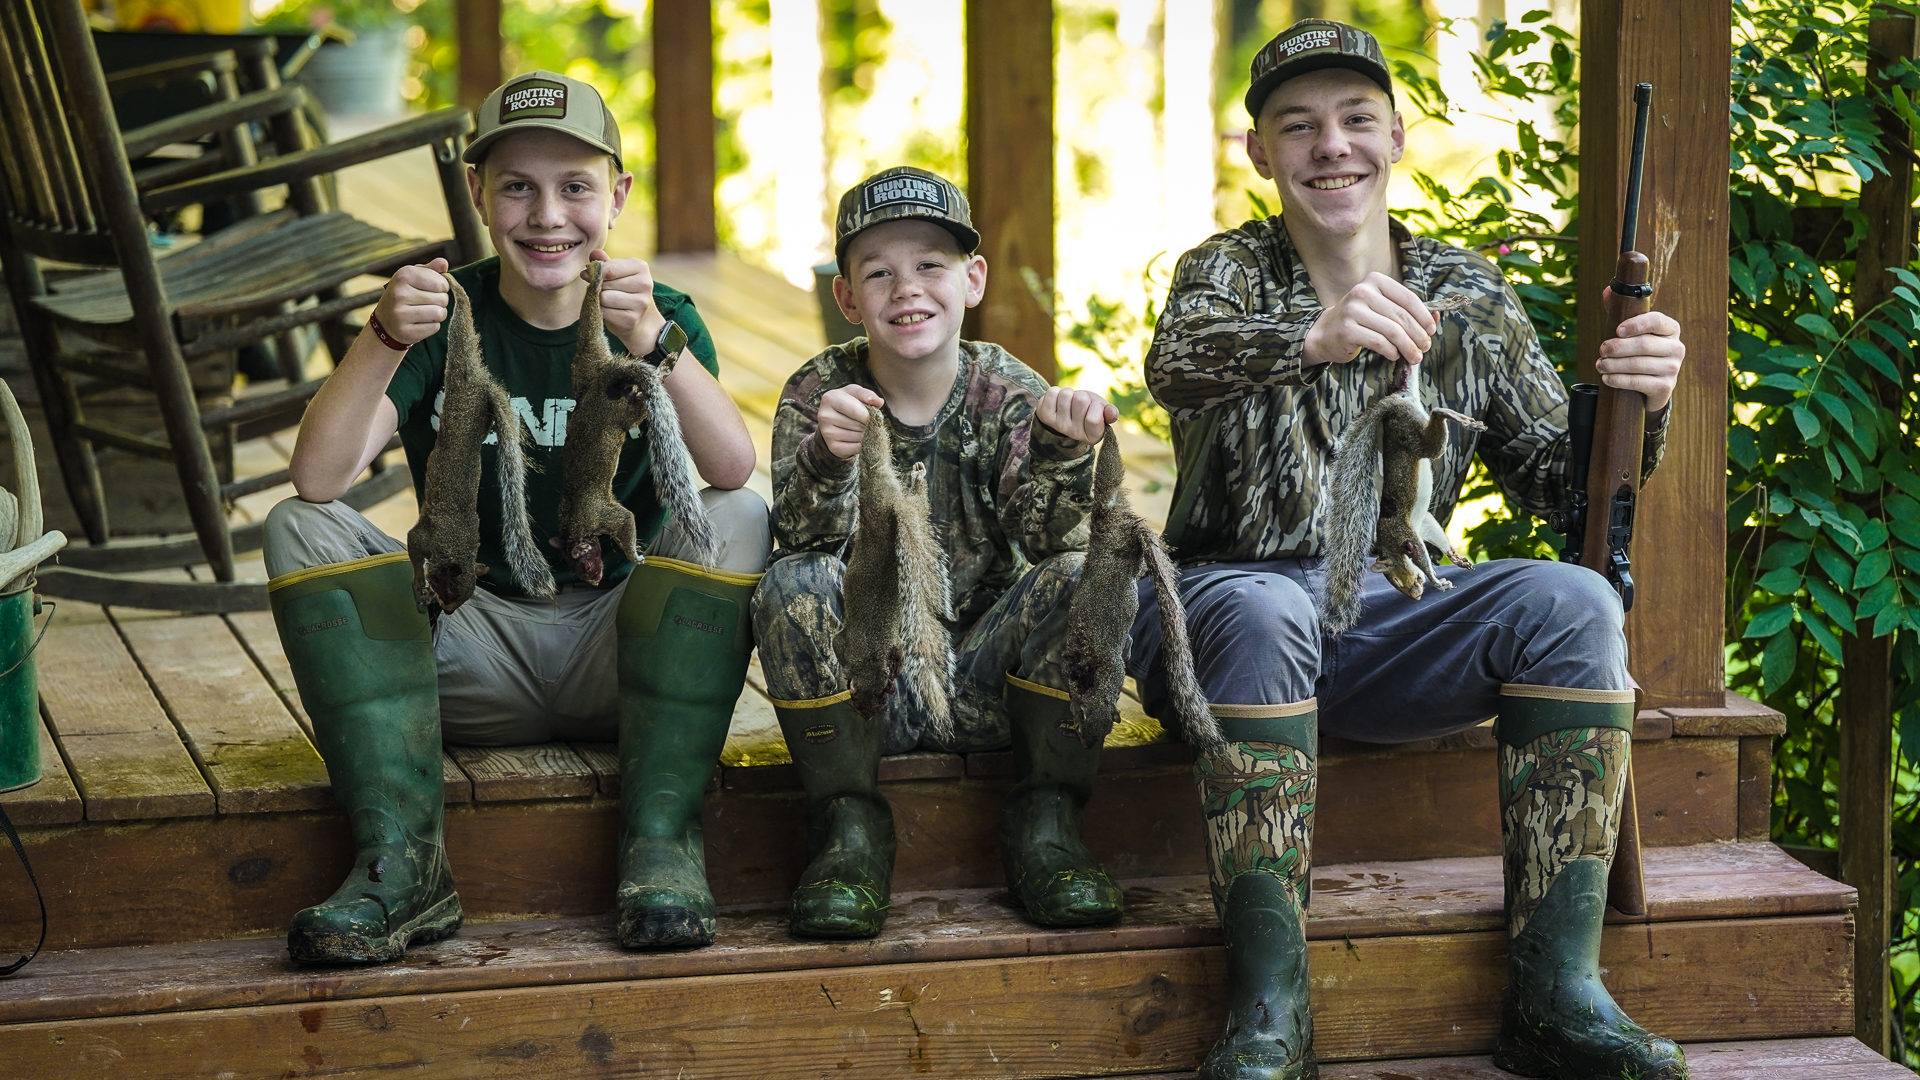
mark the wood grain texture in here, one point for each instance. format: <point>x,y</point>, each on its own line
<point>253,754</point>
<point>1756,787</point>
<point>1833,1058</point>
<point>683,125</point>
<point>125,756</point>
<point>511,773</point>
<point>1674,631</point>
<point>1010,170</point>
<point>1098,1012</point>
<point>476,26</point>
<point>52,801</point>
<point>1738,715</point>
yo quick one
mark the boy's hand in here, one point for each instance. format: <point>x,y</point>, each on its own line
<point>626,302</point>
<point>1077,414</point>
<point>1644,354</point>
<point>415,303</point>
<point>842,421</point>
<point>1379,314</point>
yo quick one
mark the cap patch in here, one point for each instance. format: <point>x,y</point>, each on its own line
<point>896,190</point>
<point>1316,38</point>
<point>534,99</point>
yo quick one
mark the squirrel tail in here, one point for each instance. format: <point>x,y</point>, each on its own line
<point>673,479</point>
<point>929,650</point>
<point>1202,731</point>
<point>1347,534</point>
<point>528,565</point>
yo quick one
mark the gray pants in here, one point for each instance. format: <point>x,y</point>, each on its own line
<point>1412,669</point>
<point>797,613</point>
<point>519,671</point>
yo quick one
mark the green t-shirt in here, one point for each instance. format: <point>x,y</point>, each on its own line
<point>536,368</point>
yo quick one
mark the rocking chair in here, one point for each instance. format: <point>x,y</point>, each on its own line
<point>69,196</point>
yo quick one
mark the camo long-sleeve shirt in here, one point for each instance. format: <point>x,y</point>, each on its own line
<point>1003,488</point>
<point>1255,430</point>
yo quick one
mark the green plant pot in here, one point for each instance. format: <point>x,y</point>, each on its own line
<point>19,694</point>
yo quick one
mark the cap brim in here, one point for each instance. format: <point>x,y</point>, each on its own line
<point>1257,93</point>
<point>969,238</point>
<point>476,150</point>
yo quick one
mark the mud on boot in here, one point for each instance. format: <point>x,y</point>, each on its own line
<point>663,901</point>
<point>1049,869</point>
<point>1269,1033</point>
<point>847,887</point>
<point>1558,1020</point>
<point>400,893</point>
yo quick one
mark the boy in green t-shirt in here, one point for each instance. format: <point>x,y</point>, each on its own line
<point>655,655</point>
<point>1009,477</point>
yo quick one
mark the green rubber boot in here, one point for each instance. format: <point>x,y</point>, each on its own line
<point>362,656</point>
<point>684,641</point>
<point>1049,869</point>
<point>846,888</point>
<point>1563,766</point>
<point>1257,798</point>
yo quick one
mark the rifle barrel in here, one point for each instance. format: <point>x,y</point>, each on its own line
<point>1630,216</point>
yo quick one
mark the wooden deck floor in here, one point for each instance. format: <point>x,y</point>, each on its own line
<point>158,715</point>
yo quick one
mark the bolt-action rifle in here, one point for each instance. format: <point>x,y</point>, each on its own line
<point>1606,429</point>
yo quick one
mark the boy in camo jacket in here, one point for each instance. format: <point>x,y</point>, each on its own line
<point>1275,336</point>
<point>1010,483</point>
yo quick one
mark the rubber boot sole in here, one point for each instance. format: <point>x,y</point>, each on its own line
<point>665,928</point>
<point>313,946</point>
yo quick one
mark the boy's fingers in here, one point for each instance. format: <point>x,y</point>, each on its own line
<point>438,266</point>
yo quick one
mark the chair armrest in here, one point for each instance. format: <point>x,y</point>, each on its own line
<point>180,69</point>
<point>208,119</point>
<point>419,131</point>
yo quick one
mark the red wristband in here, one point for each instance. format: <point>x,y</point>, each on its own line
<point>373,324</point>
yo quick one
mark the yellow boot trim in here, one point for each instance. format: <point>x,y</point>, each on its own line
<point>295,577</point>
<point>1034,687</point>
<point>813,703</point>
<point>711,573</point>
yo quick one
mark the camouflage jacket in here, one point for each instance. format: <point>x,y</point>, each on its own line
<point>1254,432</point>
<point>1003,490</point>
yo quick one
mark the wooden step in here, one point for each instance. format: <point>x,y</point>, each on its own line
<point>1406,957</point>
<point>1843,1058</point>
<point>541,841</point>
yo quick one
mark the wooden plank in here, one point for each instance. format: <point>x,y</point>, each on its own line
<point>1010,171</point>
<point>253,754</point>
<point>683,156</point>
<point>125,756</point>
<point>1674,630</point>
<point>1756,787</point>
<point>256,631</point>
<point>1836,1058</point>
<point>1738,716</point>
<point>1025,1016</point>
<point>52,801</point>
<point>541,771</point>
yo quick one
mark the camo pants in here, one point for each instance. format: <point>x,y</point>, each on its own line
<point>797,612</point>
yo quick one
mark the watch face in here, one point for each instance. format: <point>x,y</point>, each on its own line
<point>672,339</point>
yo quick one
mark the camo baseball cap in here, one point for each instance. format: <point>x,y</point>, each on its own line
<point>902,192</point>
<point>545,99</point>
<point>1313,45</point>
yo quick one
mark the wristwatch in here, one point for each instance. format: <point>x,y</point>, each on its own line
<point>667,346</point>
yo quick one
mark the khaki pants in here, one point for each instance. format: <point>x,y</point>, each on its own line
<point>519,671</point>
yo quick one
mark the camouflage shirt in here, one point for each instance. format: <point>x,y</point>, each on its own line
<point>1003,490</point>
<point>1254,431</point>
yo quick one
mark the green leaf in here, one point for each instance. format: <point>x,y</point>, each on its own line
<point>1905,480</point>
<point>1785,581</point>
<point>1835,408</point>
<point>1876,358</point>
<point>1777,661</point>
<point>1830,601</point>
<point>1786,553</point>
<point>1743,446</point>
<point>1808,423</point>
<point>1823,634</point>
<point>1818,326</point>
<point>1771,621</point>
<point>1889,620</point>
<point>1783,381</point>
<point>1910,735</point>
<point>1834,563</point>
<point>1874,565</point>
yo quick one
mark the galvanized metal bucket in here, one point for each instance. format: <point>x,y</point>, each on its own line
<point>23,546</point>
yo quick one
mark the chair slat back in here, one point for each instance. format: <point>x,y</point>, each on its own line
<point>54,197</point>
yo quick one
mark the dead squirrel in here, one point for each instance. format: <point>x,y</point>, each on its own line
<point>895,589</point>
<point>1120,546</point>
<point>613,395</point>
<point>445,542</point>
<point>1381,496</point>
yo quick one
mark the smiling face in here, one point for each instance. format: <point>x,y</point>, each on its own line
<point>548,201</point>
<point>909,284</point>
<point>1328,140</point>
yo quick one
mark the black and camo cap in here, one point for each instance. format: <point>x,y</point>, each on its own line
<point>1314,45</point>
<point>902,192</point>
<point>545,99</point>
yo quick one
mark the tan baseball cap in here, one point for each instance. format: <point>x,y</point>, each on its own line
<point>903,192</point>
<point>545,99</point>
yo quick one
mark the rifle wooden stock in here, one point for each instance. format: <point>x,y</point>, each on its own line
<point>1613,490</point>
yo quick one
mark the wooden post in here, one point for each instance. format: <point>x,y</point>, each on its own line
<point>1010,170</point>
<point>1866,687</point>
<point>683,162</point>
<point>476,30</point>
<point>1679,552</point>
